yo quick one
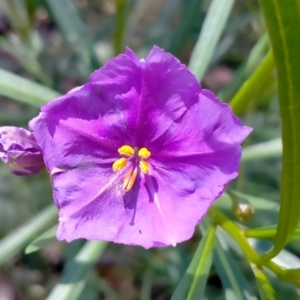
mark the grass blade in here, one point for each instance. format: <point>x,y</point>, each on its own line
<point>23,90</point>
<point>211,31</point>
<point>69,21</point>
<point>46,238</point>
<point>76,274</point>
<point>192,285</point>
<point>19,238</point>
<point>283,18</point>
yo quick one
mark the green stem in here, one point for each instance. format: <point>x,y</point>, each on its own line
<point>265,289</point>
<point>120,26</point>
<point>237,234</point>
<point>268,233</point>
<point>253,85</point>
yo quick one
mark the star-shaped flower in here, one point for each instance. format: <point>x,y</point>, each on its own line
<point>139,153</point>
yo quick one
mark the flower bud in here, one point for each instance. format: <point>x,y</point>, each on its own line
<point>20,151</point>
<point>243,210</point>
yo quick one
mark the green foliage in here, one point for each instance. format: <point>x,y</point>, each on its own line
<point>69,21</point>
<point>192,285</point>
<point>213,26</point>
<point>283,19</point>
<point>254,71</point>
<point>18,239</point>
<point>76,274</point>
<point>23,90</point>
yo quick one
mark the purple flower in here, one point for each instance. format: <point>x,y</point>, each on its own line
<point>19,150</point>
<point>139,153</point>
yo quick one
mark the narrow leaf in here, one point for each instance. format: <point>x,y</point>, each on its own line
<point>267,149</point>
<point>192,285</point>
<point>46,238</point>
<point>233,281</point>
<point>11,244</point>
<point>283,23</point>
<point>69,21</point>
<point>211,31</point>
<point>76,273</point>
<point>23,90</point>
<point>246,69</point>
<point>255,83</point>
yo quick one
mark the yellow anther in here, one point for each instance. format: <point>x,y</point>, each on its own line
<point>129,179</point>
<point>144,153</point>
<point>126,150</point>
<point>144,166</point>
<point>119,164</point>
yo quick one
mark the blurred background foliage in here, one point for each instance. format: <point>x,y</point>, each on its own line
<point>58,44</point>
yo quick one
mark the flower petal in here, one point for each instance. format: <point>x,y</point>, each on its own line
<point>93,205</point>
<point>207,126</point>
<point>79,128</point>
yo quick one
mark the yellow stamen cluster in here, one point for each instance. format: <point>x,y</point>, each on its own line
<point>121,163</point>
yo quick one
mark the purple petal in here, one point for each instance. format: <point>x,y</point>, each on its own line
<point>19,150</point>
<point>207,126</point>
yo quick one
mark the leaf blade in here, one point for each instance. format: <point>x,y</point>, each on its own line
<point>24,90</point>
<point>72,27</point>
<point>282,18</point>
<point>211,31</point>
<point>44,239</point>
<point>16,240</point>
<point>233,281</point>
<point>192,284</point>
<point>76,273</point>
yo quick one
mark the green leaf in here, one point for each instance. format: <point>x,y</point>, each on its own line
<point>11,244</point>
<point>76,273</point>
<point>74,31</point>
<point>246,69</point>
<point>283,22</point>
<point>23,90</point>
<point>192,285</point>
<point>46,238</point>
<point>265,289</point>
<point>255,83</point>
<point>267,149</point>
<point>190,12</point>
<point>211,31</point>
<point>233,281</point>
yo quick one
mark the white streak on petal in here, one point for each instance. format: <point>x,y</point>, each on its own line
<point>172,240</point>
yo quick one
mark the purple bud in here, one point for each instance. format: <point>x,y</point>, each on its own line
<point>20,151</point>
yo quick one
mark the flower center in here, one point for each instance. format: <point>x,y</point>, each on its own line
<point>138,158</point>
